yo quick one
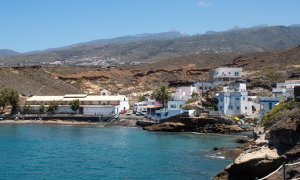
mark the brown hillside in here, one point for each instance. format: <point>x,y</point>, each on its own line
<point>127,79</point>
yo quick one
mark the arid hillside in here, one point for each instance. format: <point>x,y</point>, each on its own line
<point>263,67</point>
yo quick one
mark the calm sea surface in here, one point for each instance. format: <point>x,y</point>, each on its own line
<point>64,152</point>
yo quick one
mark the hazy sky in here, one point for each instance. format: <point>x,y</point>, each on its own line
<point>27,25</point>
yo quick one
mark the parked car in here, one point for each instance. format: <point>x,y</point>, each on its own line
<point>128,113</point>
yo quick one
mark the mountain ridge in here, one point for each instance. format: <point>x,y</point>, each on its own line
<point>145,48</point>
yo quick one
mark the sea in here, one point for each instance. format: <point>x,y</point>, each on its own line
<point>79,152</point>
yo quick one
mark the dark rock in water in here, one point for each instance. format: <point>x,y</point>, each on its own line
<point>166,126</point>
<point>215,148</point>
<point>242,140</point>
<point>202,125</point>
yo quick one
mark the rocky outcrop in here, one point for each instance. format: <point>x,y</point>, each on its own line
<point>285,135</point>
<point>273,145</point>
<point>201,125</point>
<point>167,126</point>
<point>251,164</point>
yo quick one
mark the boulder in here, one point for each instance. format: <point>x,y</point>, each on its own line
<point>253,163</point>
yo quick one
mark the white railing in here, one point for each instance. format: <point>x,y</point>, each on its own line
<point>284,170</point>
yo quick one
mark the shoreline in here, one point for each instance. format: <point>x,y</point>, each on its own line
<point>118,123</point>
<point>57,122</point>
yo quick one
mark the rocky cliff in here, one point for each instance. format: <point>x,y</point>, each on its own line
<point>276,142</point>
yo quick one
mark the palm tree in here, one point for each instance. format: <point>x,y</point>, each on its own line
<point>162,95</point>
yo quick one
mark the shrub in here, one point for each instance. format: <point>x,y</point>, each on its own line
<point>278,112</point>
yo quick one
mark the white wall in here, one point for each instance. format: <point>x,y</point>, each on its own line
<point>183,93</point>
<point>97,111</point>
<point>232,103</point>
<point>203,86</point>
<point>124,105</point>
<point>175,105</point>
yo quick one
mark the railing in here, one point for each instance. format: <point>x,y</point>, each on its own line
<point>278,169</point>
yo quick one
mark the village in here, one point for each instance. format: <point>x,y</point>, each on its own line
<point>224,95</point>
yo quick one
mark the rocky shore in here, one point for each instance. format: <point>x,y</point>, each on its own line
<point>123,123</point>
<point>200,124</point>
<point>275,143</point>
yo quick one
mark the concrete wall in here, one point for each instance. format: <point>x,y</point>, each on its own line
<point>98,111</point>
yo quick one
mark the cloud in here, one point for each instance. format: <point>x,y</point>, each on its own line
<point>204,3</point>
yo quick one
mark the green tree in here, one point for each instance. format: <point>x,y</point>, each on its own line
<point>195,95</point>
<point>53,106</point>
<point>162,95</point>
<point>142,98</point>
<point>42,108</point>
<point>9,97</point>
<point>26,108</point>
<point>75,105</point>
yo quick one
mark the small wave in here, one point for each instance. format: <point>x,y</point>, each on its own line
<point>216,156</point>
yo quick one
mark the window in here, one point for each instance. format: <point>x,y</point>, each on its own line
<point>173,106</point>
<point>237,108</point>
<point>180,106</point>
<point>246,108</point>
<point>244,98</point>
<point>220,107</point>
<point>236,73</point>
<point>237,99</point>
<point>221,100</point>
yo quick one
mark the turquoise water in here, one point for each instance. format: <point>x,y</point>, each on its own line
<point>63,152</point>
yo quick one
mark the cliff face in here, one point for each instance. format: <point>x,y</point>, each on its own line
<point>276,143</point>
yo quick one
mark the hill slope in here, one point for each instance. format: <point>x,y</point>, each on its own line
<point>150,48</point>
<point>8,52</point>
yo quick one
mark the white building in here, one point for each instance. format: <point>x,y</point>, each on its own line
<point>267,103</point>
<point>89,104</point>
<point>234,100</point>
<point>174,108</point>
<point>285,90</point>
<point>105,92</point>
<point>141,107</point>
<point>202,87</point>
<point>183,93</point>
<point>225,75</point>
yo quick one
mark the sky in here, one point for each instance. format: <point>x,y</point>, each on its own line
<point>29,25</point>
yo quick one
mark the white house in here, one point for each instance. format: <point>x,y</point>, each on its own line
<point>202,87</point>
<point>174,108</point>
<point>285,90</point>
<point>105,92</point>
<point>183,93</point>
<point>267,103</point>
<point>234,100</point>
<point>225,75</point>
<point>89,104</point>
<point>141,107</point>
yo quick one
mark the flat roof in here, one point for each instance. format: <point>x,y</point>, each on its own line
<point>79,96</point>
